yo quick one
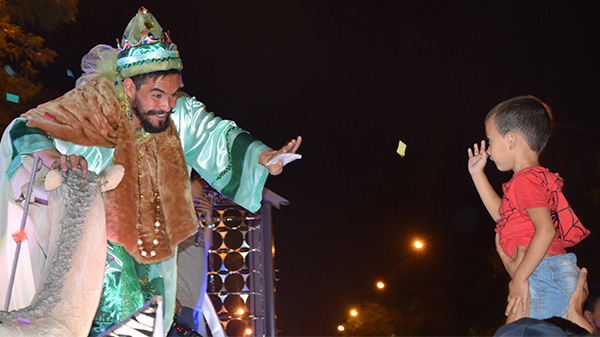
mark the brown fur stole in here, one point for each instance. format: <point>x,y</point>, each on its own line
<point>92,116</point>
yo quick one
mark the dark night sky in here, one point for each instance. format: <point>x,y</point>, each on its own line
<point>354,77</point>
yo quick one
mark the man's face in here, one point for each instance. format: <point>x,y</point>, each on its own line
<point>154,101</point>
<point>594,317</point>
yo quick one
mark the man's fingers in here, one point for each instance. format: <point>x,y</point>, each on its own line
<point>518,304</point>
<point>291,146</point>
<point>508,308</point>
<point>582,280</point>
<point>74,163</point>
<point>514,308</point>
<point>202,200</point>
<point>63,163</point>
<point>276,168</point>
<point>582,276</point>
<point>84,165</point>
<point>203,206</point>
<point>514,303</point>
<point>297,145</point>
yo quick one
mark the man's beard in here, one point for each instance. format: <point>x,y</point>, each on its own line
<point>144,117</point>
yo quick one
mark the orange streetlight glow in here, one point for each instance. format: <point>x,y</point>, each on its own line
<point>380,285</point>
<point>240,311</point>
<point>248,331</point>
<point>341,328</point>
<point>353,312</point>
<point>418,244</point>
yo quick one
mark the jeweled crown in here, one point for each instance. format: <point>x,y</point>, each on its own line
<point>147,35</point>
<point>146,47</point>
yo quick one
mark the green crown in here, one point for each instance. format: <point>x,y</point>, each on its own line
<point>146,47</point>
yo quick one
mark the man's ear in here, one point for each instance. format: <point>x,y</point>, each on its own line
<point>588,316</point>
<point>129,87</point>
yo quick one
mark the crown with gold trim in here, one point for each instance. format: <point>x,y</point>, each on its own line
<point>146,47</point>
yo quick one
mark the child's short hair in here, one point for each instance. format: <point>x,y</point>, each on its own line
<point>528,116</point>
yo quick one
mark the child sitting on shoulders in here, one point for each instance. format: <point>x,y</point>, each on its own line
<point>532,216</point>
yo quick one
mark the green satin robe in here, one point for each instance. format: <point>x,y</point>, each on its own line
<point>225,155</point>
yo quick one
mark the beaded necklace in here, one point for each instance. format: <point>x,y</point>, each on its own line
<point>139,137</point>
<point>156,200</point>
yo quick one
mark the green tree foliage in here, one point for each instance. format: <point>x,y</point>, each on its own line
<point>22,48</point>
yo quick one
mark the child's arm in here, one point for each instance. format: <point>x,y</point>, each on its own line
<point>518,288</point>
<point>476,164</point>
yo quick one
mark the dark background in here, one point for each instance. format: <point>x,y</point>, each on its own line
<point>353,78</point>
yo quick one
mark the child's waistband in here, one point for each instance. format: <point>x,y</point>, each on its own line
<point>559,259</point>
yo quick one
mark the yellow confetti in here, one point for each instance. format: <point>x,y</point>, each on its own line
<point>401,148</point>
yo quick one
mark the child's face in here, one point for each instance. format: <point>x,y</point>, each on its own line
<point>498,147</point>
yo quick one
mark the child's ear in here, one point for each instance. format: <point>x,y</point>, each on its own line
<point>588,316</point>
<point>511,139</point>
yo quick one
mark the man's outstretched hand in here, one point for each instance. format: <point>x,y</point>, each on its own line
<point>266,156</point>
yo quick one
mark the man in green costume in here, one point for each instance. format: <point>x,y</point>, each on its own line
<point>128,109</point>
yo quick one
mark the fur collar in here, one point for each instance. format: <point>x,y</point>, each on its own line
<point>92,116</point>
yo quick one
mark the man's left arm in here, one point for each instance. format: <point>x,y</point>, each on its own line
<point>227,157</point>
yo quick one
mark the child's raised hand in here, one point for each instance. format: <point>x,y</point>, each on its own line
<point>477,158</point>
<point>518,299</point>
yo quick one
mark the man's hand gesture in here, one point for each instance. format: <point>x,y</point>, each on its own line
<point>266,156</point>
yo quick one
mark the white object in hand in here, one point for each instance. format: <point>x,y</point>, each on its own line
<point>286,158</point>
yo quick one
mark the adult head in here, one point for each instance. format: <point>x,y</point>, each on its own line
<point>152,97</point>
<point>149,65</point>
<point>591,308</point>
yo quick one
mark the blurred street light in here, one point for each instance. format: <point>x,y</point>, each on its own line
<point>341,328</point>
<point>353,313</point>
<point>408,257</point>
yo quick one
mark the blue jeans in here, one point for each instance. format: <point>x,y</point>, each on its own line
<point>551,285</point>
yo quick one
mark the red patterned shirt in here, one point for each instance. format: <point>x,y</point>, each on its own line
<point>530,188</point>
